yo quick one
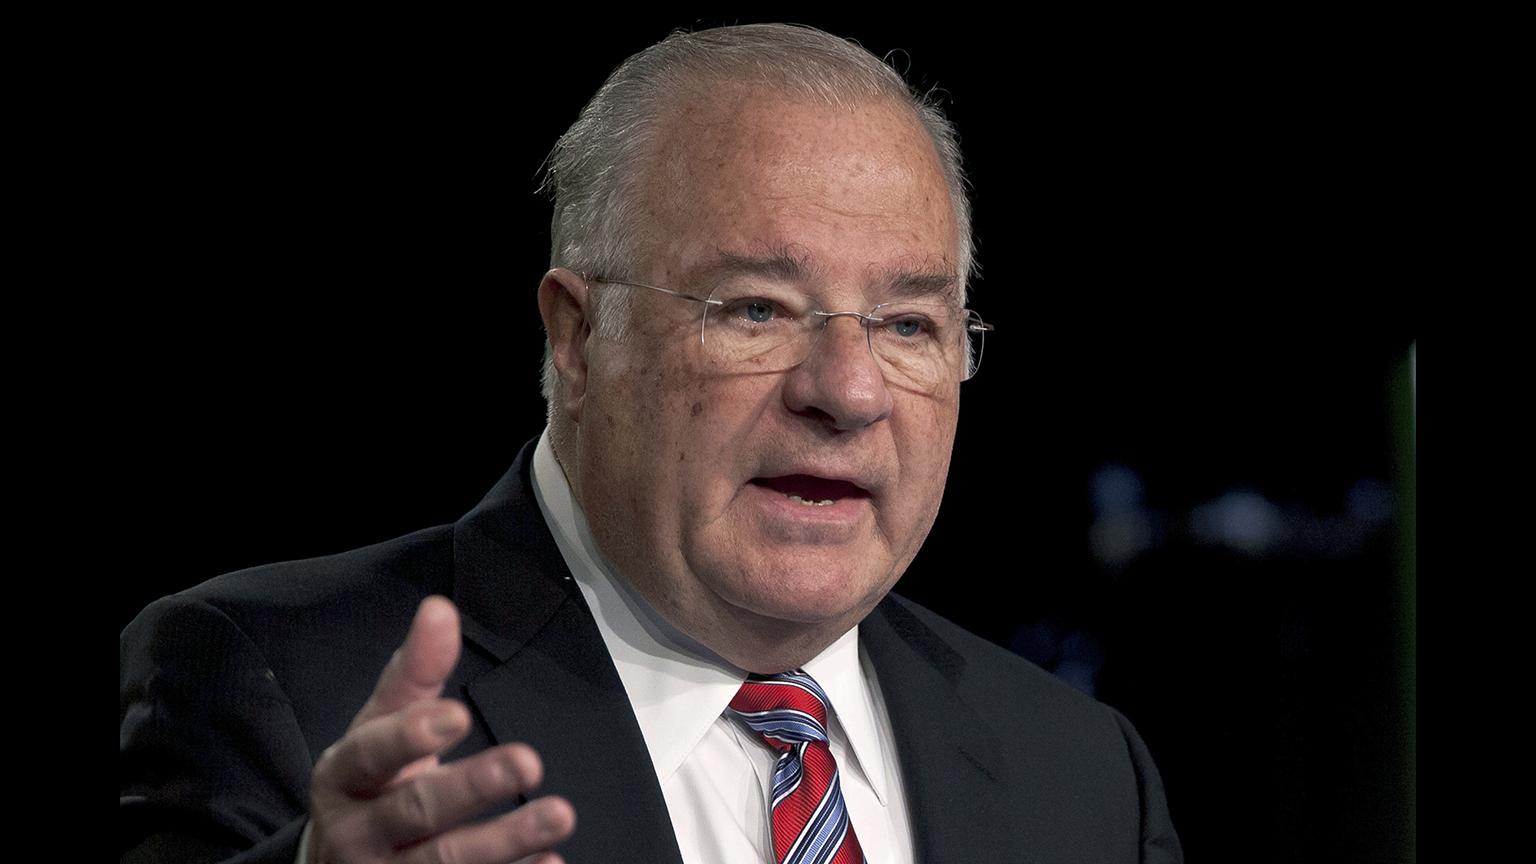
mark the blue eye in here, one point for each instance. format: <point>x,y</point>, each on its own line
<point>907,328</point>
<point>758,311</point>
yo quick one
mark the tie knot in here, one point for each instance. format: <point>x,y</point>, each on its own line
<point>786,709</point>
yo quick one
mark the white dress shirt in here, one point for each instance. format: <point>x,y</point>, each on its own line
<point>715,775</point>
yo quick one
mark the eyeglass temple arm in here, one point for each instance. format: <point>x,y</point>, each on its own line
<point>586,278</point>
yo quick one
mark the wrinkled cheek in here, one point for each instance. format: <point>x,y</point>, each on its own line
<point>929,447</point>
<point>933,430</point>
<point>651,413</point>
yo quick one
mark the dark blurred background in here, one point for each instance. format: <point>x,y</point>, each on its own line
<point>1185,475</point>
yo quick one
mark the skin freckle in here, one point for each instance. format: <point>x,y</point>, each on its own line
<point>697,408</point>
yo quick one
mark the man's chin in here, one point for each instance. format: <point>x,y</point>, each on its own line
<point>783,607</point>
<point>805,595</point>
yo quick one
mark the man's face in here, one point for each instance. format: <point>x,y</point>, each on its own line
<point>686,470</point>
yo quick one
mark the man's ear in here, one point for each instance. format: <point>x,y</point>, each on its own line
<point>564,305</point>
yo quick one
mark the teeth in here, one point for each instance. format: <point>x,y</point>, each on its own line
<point>825,502</point>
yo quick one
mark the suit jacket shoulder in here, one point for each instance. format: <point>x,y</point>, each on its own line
<point>1003,761</point>
<point>231,690</point>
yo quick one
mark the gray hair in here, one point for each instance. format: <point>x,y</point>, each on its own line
<point>595,172</point>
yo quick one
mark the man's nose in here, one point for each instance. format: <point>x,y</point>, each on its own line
<point>840,382</point>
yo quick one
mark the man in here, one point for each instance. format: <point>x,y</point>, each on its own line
<point>680,596</point>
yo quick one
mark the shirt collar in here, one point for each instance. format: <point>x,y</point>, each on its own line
<point>676,686</point>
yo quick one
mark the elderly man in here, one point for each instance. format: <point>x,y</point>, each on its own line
<point>674,611</point>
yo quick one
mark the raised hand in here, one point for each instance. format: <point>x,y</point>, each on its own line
<point>380,793</point>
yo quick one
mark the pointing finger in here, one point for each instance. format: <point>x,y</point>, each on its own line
<point>421,665</point>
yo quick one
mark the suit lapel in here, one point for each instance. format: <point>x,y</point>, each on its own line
<point>944,747</point>
<point>550,681</point>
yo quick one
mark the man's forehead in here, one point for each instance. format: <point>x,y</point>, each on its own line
<point>758,132</point>
<point>803,192</point>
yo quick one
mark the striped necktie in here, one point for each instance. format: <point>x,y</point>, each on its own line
<point>810,821</point>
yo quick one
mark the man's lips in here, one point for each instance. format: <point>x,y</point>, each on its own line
<point>811,487</point>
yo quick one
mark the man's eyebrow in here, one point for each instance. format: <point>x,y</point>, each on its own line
<point>779,265</point>
<point>922,284</point>
<point>782,265</point>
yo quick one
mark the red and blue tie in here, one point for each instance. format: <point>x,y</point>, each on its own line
<point>810,821</point>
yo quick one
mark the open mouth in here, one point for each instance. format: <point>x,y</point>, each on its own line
<point>812,491</point>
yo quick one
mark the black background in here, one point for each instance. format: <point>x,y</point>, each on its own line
<point>1197,239</point>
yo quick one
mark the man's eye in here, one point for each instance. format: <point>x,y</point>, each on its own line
<point>908,328</point>
<point>757,311</point>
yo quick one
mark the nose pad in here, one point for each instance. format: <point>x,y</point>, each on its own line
<point>859,320</point>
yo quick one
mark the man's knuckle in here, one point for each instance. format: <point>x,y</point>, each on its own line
<point>414,733</point>
<point>364,760</point>
<point>338,762</point>
<point>487,778</point>
<point>415,807</point>
<point>444,850</point>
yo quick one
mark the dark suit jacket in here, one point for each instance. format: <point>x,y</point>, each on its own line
<point>231,690</point>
